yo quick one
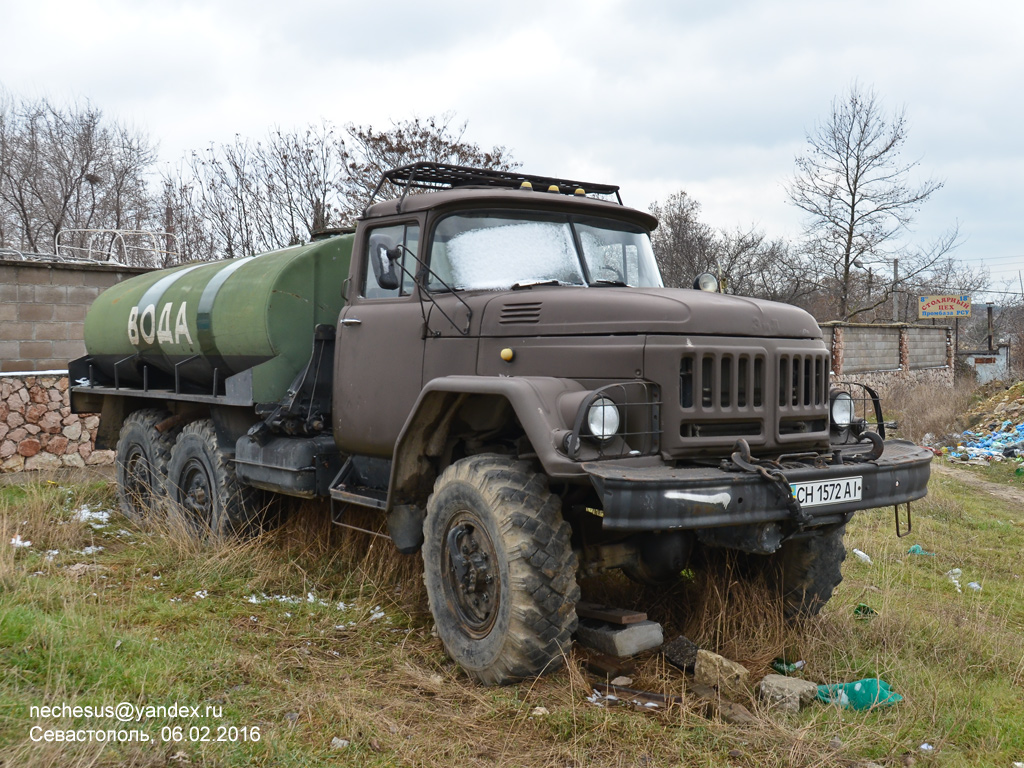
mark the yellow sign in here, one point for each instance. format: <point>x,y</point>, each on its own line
<point>943,306</point>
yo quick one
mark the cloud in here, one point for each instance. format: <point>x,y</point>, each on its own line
<point>656,96</point>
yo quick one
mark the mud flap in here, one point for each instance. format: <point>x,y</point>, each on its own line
<point>405,524</point>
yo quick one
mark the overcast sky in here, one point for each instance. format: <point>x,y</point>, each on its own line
<point>712,98</point>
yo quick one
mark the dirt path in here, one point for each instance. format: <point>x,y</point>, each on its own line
<point>1007,493</point>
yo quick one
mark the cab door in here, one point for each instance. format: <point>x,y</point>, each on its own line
<point>378,363</point>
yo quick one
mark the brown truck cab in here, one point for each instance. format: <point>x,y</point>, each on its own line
<point>516,390</point>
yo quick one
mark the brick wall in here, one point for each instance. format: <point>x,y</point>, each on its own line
<point>42,306</point>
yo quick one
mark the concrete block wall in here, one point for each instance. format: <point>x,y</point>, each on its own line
<point>42,309</point>
<point>871,349</point>
<point>883,355</point>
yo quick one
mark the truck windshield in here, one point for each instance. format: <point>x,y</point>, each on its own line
<point>502,250</point>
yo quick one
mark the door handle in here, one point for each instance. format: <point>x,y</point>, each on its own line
<point>351,321</point>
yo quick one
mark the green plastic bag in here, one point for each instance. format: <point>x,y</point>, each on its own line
<point>861,694</point>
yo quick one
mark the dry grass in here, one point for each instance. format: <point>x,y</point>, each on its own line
<point>307,672</point>
<point>923,409</point>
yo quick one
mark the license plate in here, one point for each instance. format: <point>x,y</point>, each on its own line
<point>822,492</point>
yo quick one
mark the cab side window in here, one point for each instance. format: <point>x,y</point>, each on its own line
<point>402,240</point>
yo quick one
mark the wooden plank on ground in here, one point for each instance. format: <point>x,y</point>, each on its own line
<point>612,615</point>
<point>603,665</point>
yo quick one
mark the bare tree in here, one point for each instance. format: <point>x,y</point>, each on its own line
<point>437,139</point>
<point>747,261</point>
<point>684,246</point>
<point>253,196</point>
<point>755,265</point>
<point>855,189</point>
<point>66,168</point>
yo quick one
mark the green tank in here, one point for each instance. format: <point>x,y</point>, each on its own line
<point>191,327</point>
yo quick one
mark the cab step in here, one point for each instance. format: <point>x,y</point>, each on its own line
<point>363,480</point>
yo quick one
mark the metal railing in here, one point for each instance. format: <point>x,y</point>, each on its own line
<point>133,246</point>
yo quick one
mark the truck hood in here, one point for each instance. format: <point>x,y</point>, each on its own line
<point>572,311</point>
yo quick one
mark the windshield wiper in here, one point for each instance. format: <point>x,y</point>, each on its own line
<point>614,283</point>
<point>530,283</point>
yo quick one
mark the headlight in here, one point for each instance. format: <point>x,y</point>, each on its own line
<point>706,282</point>
<point>842,410</point>
<point>603,418</point>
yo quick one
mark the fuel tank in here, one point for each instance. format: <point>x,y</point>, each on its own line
<point>191,327</point>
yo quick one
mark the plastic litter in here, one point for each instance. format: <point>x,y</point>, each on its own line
<point>783,668</point>
<point>926,747</point>
<point>862,694</point>
<point>974,585</point>
<point>997,442</point>
<point>864,611</point>
<point>862,556</point>
<point>954,576</point>
<point>916,549</point>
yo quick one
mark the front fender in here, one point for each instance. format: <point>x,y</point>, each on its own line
<point>534,400</point>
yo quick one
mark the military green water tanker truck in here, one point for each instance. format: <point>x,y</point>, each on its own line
<point>492,363</point>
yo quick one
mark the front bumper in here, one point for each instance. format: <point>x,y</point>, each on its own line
<point>665,498</point>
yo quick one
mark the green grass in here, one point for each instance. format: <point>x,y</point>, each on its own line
<point>125,624</point>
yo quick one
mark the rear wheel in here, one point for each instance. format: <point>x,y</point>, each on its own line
<point>204,488</point>
<point>143,453</point>
<point>811,569</point>
<point>499,569</point>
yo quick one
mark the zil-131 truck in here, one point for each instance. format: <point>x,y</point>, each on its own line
<point>492,363</point>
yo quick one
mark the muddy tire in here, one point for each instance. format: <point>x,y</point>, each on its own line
<point>810,571</point>
<point>143,454</point>
<point>499,569</point>
<point>203,487</point>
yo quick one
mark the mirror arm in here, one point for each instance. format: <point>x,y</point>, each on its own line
<point>430,296</point>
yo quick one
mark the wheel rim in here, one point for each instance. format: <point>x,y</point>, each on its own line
<point>471,580</point>
<point>196,492</point>
<point>138,480</point>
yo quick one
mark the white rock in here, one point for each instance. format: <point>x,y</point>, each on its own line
<point>727,677</point>
<point>789,694</point>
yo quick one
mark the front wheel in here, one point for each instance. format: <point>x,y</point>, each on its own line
<point>499,569</point>
<point>811,568</point>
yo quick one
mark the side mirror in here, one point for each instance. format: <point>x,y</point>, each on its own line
<point>385,256</point>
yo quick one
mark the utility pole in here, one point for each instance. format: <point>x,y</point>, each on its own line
<point>895,294</point>
<point>990,326</point>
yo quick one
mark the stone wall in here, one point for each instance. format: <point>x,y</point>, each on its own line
<point>42,306</point>
<point>38,430</point>
<point>882,356</point>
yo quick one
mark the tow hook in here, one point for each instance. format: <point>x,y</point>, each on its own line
<point>742,458</point>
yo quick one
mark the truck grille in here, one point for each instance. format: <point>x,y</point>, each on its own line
<point>802,380</point>
<point>713,381</point>
<point>729,393</point>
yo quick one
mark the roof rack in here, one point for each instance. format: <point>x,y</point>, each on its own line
<point>436,176</point>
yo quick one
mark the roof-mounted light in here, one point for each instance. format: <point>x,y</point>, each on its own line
<point>706,282</point>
